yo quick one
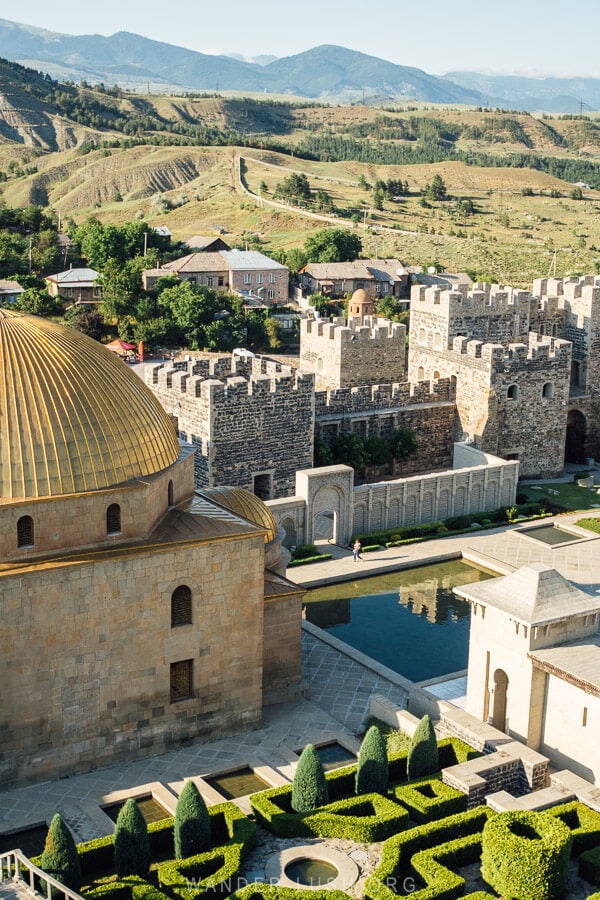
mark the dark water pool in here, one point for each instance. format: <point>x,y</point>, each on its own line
<point>408,620</point>
<point>550,534</point>
<point>237,784</point>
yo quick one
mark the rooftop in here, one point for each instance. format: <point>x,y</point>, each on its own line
<point>578,663</point>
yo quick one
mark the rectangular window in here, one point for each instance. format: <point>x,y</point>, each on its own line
<point>378,288</point>
<point>271,294</point>
<point>259,277</point>
<point>384,287</point>
<point>181,680</point>
<point>247,278</point>
<point>271,277</point>
<point>221,281</point>
<point>210,281</point>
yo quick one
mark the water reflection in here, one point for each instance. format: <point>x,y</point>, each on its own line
<point>408,620</point>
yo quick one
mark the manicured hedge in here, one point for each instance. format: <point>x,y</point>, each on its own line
<point>583,822</point>
<point>526,854</point>
<point>321,557</point>
<point>130,888</point>
<point>398,852</point>
<point>364,819</point>
<point>589,866</point>
<point>274,892</point>
<point>430,799</point>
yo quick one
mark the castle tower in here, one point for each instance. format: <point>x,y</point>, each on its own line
<point>360,305</point>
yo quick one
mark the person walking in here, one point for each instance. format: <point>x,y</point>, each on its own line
<point>356,550</point>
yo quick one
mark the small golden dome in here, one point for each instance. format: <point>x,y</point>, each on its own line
<point>244,504</point>
<point>73,417</point>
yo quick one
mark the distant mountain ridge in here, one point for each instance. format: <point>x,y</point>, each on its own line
<point>325,72</point>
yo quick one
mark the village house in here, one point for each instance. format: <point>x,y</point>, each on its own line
<point>378,277</point>
<point>9,291</point>
<point>77,285</point>
<point>245,272</point>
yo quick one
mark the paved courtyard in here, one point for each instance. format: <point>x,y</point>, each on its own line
<point>339,687</point>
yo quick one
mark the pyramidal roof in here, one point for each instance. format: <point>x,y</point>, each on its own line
<point>534,595</point>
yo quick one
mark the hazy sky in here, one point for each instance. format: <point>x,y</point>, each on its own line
<point>535,37</point>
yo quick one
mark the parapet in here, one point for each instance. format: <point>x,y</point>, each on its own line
<point>481,299</point>
<point>376,329</point>
<point>540,347</point>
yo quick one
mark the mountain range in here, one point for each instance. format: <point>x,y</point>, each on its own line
<point>325,72</point>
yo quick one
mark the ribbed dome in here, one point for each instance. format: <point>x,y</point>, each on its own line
<point>73,417</point>
<point>244,504</point>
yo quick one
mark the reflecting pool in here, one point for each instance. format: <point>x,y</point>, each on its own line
<point>410,621</point>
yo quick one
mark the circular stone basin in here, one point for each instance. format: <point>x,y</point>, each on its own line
<point>311,872</point>
<point>312,867</point>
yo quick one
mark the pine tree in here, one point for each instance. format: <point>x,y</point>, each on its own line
<point>310,788</point>
<point>132,847</point>
<point>192,830</point>
<point>60,858</point>
<point>372,769</point>
<point>423,756</point>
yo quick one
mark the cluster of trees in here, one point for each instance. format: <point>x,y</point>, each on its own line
<point>28,241</point>
<point>310,789</point>
<point>323,246</point>
<point>295,190</point>
<point>351,450</point>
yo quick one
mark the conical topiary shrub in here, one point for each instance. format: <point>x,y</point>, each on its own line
<point>423,758</point>
<point>191,829</point>
<point>372,769</point>
<point>60,858</point>
<point>132,847</point>
<point>309,789</point>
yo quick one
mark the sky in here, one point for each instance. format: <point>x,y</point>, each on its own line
<point>530,37</point>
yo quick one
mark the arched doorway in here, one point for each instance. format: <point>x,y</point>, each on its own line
<point>499,702</point>
<point>576,437</point>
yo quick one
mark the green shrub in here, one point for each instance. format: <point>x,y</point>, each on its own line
<point>132,847</point>
<point>305,550</point>
<point>130,888</point>
<point>583,822</point>
<point>370,548</point>
<point>372,768</point>
<point>592,523</point>
<point>275,892</point>
<point>191,830</point>
<point>60,858</point>
<point>430,799</point>
<point>309,788</point>
<point>423,758</point>
<point>589,866</point>
<point>526,855</point>
<point>321,557</point>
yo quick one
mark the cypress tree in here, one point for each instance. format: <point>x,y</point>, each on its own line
<point>191,830</point>
<point>423,756</point>
<point>372,769</point>
<point>60,858</point>
<point>310,788</point>
<point>132,847</point>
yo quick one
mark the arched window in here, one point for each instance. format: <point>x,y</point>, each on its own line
<point>113,519</point>
<point>512,392</point>
<point>420,373</point>
<point>437,340</point>
<point>422,336</point>
<point>436,375</point>
<point>170,494</point>
<point>548,391</point>
<point>25,536</point>
<point>181,606</point>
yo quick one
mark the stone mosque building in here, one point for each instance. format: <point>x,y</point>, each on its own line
<point>117,582</point>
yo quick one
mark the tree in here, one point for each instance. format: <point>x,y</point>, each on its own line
<point>423,756</point>
<point>436,190</point>
<point>332,245</point>
<point>295,259</point>
<point>273,333</point>
<point>38,303</point>
<point>309,789</point>
<point>132,847</point>
<point>60,858</point>
<point>576,193</point>
<point>404,443</point>
<point>191,828</point>
<point>293,189</point>
<point>372,769</point>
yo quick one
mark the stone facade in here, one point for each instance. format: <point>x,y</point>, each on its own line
<point>253,424</point>
<point>341,355</point>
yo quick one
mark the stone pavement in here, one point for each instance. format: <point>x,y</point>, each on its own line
<point>339,688</point>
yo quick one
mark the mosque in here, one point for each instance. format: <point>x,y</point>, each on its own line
<point>136,614</point>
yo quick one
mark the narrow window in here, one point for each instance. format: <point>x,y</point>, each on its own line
<point>548,391</point>
<point>271,294</point>
<point>170,494</point>
<point>181,680</point>
<point>247,278</point>
<point>25,532</point>
<point>210,281</point>
<point>181,606</point>
<point>113,519</point>
<point>584,717</point>
<point>259,278</point>
<point>512,392</point>
<point>420,373</point>
<point>271,277</point>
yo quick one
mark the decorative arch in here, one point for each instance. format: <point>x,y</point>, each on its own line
<point>25,532</point>
<point>512,392</point>
<point>113,519</point>
<point>410,512</point>
<point>500,700</point>
<point>377,516</point>
<point>291,534</point>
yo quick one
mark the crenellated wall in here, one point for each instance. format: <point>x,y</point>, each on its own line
<point>341,355</point>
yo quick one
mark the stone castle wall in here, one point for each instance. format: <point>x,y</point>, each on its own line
<point>347,356</point>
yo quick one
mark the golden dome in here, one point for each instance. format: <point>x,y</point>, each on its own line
<point>73,417</point>
<point>246,505</point>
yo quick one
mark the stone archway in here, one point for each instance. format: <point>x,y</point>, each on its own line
<point>329,496</point>
<point>575,441</point>
<point>499,701</point>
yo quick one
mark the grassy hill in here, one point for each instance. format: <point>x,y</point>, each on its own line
<point>110,154</point>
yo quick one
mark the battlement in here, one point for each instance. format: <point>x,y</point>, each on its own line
<point>539,348</point>
<point>374,329</point>
<point>382,397</point>
<point>274,380</point>
<point>482,299</point>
